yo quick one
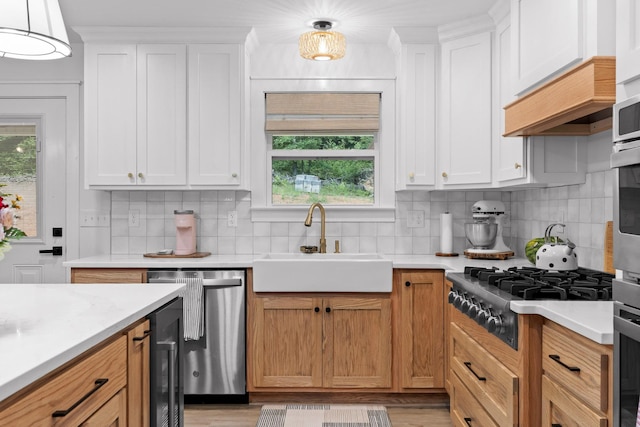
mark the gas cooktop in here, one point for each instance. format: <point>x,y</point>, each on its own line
<point>532,283</point>
<point>484,294</point>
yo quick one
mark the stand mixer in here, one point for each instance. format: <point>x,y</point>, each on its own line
<point>485,232</point>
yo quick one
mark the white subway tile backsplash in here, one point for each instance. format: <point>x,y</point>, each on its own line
<point>584,208</point>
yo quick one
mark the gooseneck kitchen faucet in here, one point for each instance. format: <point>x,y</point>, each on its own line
<point>308,220</point>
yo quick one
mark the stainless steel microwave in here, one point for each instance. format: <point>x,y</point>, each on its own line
<point>626,120</point>
<point>625,159</point>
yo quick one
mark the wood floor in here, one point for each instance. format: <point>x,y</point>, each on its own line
<point>247,416</point>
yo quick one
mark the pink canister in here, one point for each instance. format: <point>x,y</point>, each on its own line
<point>185,232</point>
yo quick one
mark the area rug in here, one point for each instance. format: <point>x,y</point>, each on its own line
<point>323,416</point>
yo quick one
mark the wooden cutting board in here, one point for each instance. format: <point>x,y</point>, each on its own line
<point>194,255</point>
<point>608,248</point>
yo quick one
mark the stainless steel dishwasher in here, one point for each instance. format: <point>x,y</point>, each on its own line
<point>214,365</point>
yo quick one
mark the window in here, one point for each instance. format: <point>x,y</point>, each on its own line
<point>304,169</point>
<point>330,142</point>
<point>18,171</point>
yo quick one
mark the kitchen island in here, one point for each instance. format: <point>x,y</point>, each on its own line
<point>46,327</point>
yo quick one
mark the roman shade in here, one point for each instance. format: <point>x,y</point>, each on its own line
<point>322,111</point>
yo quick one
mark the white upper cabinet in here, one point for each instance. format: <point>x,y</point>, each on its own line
<point>417,117</point>
<point>627,41</point>
<point>509,152</point>
<point>110,147</point>
<point>465,135</point>
<point>215,95</point>
<point>549,36</point>
<point>135,115</point>
<point>162,110</point>
<point>147,91</point>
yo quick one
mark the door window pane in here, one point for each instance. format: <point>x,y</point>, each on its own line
<point>18,170</point>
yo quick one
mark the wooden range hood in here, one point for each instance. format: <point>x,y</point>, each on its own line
<point>578,102</point>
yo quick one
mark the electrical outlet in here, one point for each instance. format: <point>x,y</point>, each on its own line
<point>415,219</point>
<point>88,219</point>
<point>134,218</point>
<point>103,219</point>
<point>232,219</point>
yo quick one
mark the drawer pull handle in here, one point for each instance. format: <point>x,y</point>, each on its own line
<point>556,358</point>
<point>468,421</point>
<point>98,383</point>
<point>145,335</point>
<point>468,365</point>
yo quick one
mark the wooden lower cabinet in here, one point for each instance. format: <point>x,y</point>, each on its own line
<point>111,414</point>
<point>108,275</point>
<point>320,342</point>
<point>490,382</point>
<point>138,372</point>
<point>577,379</point>
<point>465,409</point>
<point>422,334</point>
<point>105,386</point>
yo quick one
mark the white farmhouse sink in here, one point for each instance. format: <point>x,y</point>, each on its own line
<point>322,273</point>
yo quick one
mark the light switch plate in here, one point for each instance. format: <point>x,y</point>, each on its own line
<point>415,219</point>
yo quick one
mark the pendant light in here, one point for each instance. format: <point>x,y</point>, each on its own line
<point>32,29</point>
<point>322,45</point>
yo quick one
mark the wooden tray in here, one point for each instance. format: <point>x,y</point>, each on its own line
<point>446,254</point>
<point>496,255</point>
<point>194,255</point>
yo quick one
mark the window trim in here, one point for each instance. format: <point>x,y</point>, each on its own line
<point>383,209</point>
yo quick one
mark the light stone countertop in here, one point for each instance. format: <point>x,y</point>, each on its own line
<point>44,326</point>
<point>595,323</point>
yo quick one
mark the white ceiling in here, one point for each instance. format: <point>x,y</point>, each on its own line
<point>275,21</point>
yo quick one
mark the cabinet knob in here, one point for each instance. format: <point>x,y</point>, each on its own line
<point>328,309</point>
<point>130,175</point>
<point>317,309</point>
<point>140,175</point>
<point>234,175</point>
<point>411,175</point>
<point>444,174</point>
<point>517,165</point>
<point>407,284</point>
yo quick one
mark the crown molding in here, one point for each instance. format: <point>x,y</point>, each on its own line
<point>467,27</point>
<point>163,34</point>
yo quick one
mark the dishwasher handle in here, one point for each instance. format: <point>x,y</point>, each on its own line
<point>221,283</point>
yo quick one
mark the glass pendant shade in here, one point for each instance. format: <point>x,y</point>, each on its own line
<point>322,45</point>
<point>32,29</point>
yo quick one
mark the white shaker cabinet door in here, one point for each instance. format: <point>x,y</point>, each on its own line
<point>417,117</point>
<point>215,102</point>
<point>547,36</point>
<point>110,114</point>
<point>161,113</point>
<point>509,152</point>
<point>464,147</point>
<point>627,41</point>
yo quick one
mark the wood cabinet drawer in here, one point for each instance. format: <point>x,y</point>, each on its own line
<point>74,389</point>
<point>108,275</point>
<point>492,384</point>
<point>465,409</point>
<point>576,365</point>
<point>560,407</point>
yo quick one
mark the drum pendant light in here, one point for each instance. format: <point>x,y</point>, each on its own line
<point>322,45</point>
<point>32,29</point>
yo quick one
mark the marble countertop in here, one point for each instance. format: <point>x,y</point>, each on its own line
<point>44,326</point>
<point>246,261</point>
<point>594,320</point>
<point>591,319</point>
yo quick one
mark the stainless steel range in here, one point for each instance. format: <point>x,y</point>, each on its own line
<point>484,294</point>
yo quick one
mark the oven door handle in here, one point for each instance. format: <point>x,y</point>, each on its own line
<point>626,327</point>
<point>625,158</point>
